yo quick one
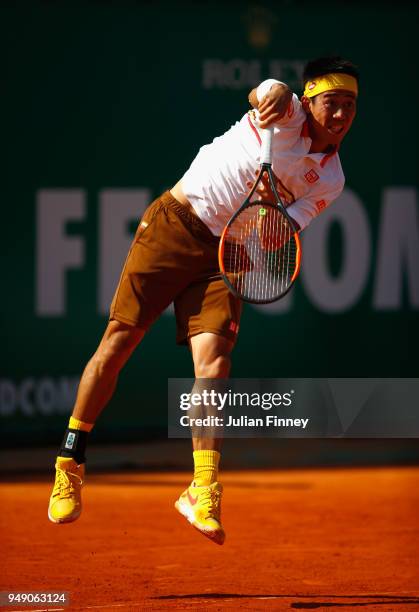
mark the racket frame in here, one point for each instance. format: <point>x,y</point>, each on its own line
<point>265,166</point>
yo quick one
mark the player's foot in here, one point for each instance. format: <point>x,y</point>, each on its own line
<point>202,507</point>
<point>65,501</point>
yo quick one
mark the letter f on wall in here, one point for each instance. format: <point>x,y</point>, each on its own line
<point>56,252</point>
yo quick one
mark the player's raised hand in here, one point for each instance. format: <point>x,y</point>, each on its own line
<point>274,104</point>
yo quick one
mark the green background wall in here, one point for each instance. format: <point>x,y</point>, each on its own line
<point>101,96</point>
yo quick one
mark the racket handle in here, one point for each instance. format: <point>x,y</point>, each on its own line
<point>266,149</point>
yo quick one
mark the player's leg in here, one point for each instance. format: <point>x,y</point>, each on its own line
<point>207,316</point>
<point>96,387</point>
<point>99,378</point>
<point>156,269</point>
<point>201,502</point>
<point>211,358</point>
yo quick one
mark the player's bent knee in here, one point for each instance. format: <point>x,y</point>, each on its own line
<point>211,355</point>
<point>117,344</point>
<point>218,367</point>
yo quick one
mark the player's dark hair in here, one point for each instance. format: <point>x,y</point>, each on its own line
<point>325,65</point>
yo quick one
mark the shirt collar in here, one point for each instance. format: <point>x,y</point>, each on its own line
<point>325,157</point>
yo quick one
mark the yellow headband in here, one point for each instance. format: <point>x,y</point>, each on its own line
<point>331,81</point>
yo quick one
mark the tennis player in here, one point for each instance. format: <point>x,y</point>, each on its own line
<point>173,258</point>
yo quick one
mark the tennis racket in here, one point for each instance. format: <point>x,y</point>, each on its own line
<point>259,253</point>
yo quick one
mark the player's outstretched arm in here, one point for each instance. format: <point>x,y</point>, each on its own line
<point>273,105</point>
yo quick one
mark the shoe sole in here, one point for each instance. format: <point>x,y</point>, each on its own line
<point>63,520</point>
<point>217,537</point>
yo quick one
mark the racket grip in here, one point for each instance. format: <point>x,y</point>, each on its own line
<point>266,149</point>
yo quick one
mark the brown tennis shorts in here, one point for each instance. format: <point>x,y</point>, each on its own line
<point>174,258</point>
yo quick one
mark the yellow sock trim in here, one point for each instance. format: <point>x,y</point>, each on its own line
<point>206,467</point>
<point>80,425</point>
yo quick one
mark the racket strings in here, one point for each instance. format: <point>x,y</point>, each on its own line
<point>260,254</point>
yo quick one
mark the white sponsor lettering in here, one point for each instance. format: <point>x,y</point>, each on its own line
<point>397,267</point>
<point>32,397</point>
<point>117,208</point>
<point>275,308</point>
<point>287,71</point>
<point>326,292</point>
<point>234,74</point>
<point>56,252</point>
<point>398,250</point>
<point>238,74</point>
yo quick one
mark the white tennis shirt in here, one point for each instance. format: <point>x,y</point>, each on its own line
<point>215,183</point>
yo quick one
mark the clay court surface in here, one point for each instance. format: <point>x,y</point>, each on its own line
<point>343,539</point>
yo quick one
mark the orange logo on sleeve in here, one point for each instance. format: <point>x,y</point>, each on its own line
<point>311,176</point>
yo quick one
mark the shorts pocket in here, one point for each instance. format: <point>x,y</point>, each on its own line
<point>147,219</point>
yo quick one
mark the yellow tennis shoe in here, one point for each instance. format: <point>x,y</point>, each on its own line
<point>202,507</point>
<point>65,501</point>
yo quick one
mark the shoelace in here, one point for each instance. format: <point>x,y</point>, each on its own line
<point>64,486</point>
<point>212,498</point>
